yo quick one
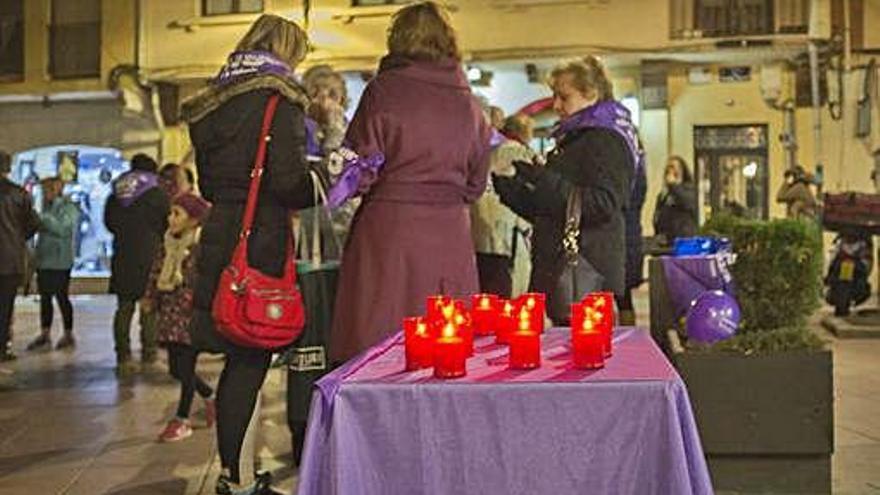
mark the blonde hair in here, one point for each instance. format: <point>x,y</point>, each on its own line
<point>322,77</point>
<point>423,30</point>
<point>277,35</point>
<point>588,75</point>
<point>519,125</point>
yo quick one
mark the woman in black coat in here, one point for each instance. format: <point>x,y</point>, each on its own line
<point>225,122</point>
<point>592,153</point>
<point>675,214</point>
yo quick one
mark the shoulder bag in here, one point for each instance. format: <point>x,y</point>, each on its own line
<point>252,309</point>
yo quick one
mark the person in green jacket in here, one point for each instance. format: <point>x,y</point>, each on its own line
<point>54,260</point>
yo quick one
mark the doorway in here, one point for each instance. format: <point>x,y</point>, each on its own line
<point>732,170</point>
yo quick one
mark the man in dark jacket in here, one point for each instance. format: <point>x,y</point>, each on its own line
<point>137,215</point>
<point>18,223</point>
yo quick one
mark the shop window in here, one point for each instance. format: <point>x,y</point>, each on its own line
<point>75,39</point>
<point>222,7</point>
<point>11,40</point>
<point>88,173</point>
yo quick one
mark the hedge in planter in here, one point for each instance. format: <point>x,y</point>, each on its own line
<point>764,399</point>
<point>777,275</point>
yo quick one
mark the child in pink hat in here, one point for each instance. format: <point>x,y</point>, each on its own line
<point>170,296</point>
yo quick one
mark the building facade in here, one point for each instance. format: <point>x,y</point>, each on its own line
<point>712,79</point>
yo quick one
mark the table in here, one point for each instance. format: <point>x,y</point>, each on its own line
<point>626,429</point>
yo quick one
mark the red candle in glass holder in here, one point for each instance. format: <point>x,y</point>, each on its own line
<point>484,313</point>
<point>450,354</point>
<point>438,307</point>
<point>600,307</point>
<point>464,323</point>
<point>418,343</point>
<point>536,303</point>
<point>506,322</point>
<point>587,342</point>
<point>525,316</point>
<point>525,347</point>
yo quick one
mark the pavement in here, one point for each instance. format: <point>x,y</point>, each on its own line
<point>69,426</point>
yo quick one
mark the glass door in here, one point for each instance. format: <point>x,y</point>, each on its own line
<point>732,169</point>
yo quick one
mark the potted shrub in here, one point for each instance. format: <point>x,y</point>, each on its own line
<point>764,398</point>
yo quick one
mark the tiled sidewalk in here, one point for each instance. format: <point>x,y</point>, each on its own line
<point>69,426</point>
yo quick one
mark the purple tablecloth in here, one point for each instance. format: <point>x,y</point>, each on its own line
<point>625,429</point>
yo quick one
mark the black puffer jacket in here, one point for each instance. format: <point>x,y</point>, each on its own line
<point>225,141</point>
<point>137,230</point>
<point>18,223</point>
<point>599,161</point>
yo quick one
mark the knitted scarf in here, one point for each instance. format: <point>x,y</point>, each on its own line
<point>177,249</point>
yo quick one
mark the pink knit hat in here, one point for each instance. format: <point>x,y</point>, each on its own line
<point>193,205</point>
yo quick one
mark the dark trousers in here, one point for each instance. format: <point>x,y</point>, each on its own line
<point>496,274</point>
<point>122,328</point>
<point>8,290</point>
<point>626,309</point>
<point>182,360</point>
<point>55,283</point>
<point>240,382</point>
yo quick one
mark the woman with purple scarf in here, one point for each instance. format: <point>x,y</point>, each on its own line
<point>597,151</point>
<point>225,121</point>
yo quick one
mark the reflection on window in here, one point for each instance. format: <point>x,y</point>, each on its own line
<point>220,7</point>
<point>90,172</point>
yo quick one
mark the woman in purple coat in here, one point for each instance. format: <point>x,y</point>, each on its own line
<point>411,235</point>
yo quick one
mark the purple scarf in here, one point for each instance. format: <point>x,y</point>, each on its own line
<point>358,174</point>
<point>606,115</point>
<point>132,185</point>
<point>241,65</point>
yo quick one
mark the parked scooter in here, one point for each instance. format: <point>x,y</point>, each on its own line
<point>847,279</point>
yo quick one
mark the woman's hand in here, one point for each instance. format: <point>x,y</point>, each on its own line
<point>504,186</point>
<point>527,171</point>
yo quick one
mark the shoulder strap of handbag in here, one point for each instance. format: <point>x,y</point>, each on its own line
<point>572,232</point>
<point>257,172</point>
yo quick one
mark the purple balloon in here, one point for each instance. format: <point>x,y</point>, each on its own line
<point>713,316</point>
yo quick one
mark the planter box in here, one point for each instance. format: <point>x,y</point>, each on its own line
<point>766,422</point>
<point>661,308</point>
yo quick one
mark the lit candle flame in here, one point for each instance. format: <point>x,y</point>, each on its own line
<point>421,328</point>
<point>508,309</point>
<point>530,303</point>
<point>449,330</point>
<point>524,325</point>
<point>448,311</point>
<point>484,303</point>
<point>587,325</point>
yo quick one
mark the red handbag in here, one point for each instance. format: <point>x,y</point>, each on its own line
<point>250,308</point>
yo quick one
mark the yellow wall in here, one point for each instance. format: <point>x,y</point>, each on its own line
<point>117,47</point>
<point>487,29</point>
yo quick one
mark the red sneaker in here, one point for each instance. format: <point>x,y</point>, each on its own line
<point>175,430</point>
<point>210,413</point>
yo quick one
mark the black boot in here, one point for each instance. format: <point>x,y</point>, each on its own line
<point>264,482</point>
